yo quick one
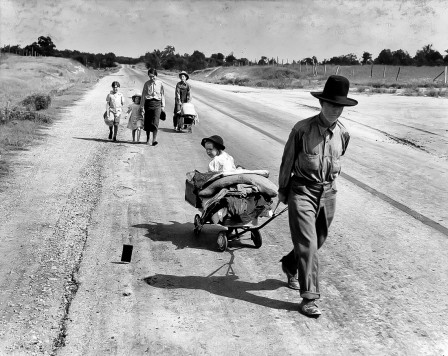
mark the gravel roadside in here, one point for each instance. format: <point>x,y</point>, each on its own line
<point>44,215</point>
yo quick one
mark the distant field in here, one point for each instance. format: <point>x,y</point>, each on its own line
<point>22,76</point>
<point>293,76</point>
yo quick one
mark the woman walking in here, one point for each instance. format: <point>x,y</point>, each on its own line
<point>152,104</point>
<point>182,96</point>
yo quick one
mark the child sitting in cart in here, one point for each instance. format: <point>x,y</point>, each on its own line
<point>221,161</point>
<point>230,196</point>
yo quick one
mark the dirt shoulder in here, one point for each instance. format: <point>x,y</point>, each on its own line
<point>47,200</point>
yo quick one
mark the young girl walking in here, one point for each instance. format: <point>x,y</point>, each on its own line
<point>135,116</point>
<point>114,104</point>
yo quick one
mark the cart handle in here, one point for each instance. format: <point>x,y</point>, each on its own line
<point>271,218</point>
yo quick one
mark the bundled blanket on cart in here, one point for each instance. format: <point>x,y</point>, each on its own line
<point>207,184</point>
<point>234,197</point>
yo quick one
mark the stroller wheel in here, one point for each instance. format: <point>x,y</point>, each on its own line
<point>222,241</point>
<point>255,236</point>
<point>197,225</point>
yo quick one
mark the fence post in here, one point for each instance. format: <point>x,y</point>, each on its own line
<point>446,73</point>
<point>384,72</point>
<point>337,70</point>
<point>371,70</point>
<point>300,67</point>
<point>398,73</point>
<point>325,69</point>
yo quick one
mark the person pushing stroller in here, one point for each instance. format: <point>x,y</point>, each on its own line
<point>182,95</point>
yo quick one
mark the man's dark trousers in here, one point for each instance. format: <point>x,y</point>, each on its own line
<point>311,209</point>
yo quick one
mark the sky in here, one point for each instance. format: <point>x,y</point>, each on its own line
<point>289,30</point>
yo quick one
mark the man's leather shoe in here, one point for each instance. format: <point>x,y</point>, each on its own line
<point>293,282</point>
<point>309,308</point>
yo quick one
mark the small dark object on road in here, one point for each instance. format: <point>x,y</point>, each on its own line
<point>127,253</point>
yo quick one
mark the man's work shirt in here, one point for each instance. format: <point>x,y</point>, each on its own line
<point>115,101</point>
<point>312,152</point>
<point>153,90</point>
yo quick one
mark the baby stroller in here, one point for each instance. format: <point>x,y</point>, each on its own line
<point>235,201</point>
<point>187,117</point>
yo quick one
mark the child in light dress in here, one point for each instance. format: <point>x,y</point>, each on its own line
<point>135,116</point>
<point>221,161</point>
<point>114,104</point>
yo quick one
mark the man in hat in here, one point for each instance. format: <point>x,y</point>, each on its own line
<point>309,168</point>
<point>182,95</point>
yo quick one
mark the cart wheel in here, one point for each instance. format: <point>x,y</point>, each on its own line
<point>255,235</point>
<point>222,241</point>
<point>197,225</point>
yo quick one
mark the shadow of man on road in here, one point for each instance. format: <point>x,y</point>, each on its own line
<point>226,286</point>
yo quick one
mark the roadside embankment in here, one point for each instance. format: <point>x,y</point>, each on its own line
<point>33,92</point>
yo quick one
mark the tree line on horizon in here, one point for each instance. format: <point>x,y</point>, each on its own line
<point>169,60</point>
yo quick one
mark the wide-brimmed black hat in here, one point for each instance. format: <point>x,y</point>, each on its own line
<point>184,73</point>
<point>216,140</point>
<point>335,91</point>
<point>136,96</point>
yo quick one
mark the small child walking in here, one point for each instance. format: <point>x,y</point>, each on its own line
<point>114,104</point>
<point>135,116</point>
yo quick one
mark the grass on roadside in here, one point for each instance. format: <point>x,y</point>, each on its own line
<point>15,136</point>
<point>32,93</point>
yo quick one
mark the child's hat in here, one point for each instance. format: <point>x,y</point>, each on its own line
<point>136,96</point>
<point>216,140</point>
<point>184,73</point>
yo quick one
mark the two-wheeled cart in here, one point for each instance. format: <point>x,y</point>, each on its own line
<point>234,229</point>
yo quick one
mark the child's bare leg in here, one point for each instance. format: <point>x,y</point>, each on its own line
<point>115,132</point>
<point>139,131</point>
<point>133,135</point>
